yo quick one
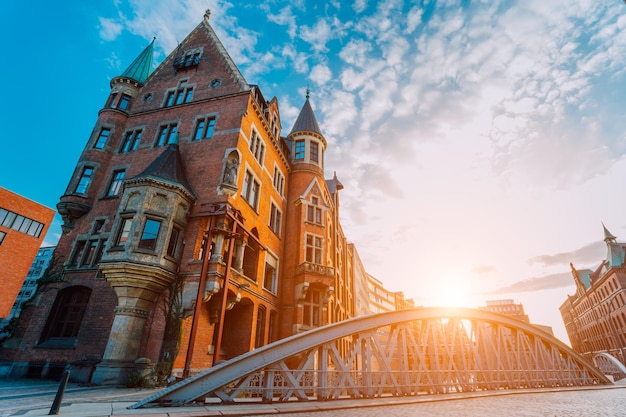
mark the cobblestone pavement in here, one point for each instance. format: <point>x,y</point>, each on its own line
<point>28,398</point>
<point>30,394</point>
<point>592,403</point>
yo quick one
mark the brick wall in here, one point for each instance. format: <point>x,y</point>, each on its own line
<point>18,250</point>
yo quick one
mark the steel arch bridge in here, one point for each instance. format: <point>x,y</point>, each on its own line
<point>399,353</point>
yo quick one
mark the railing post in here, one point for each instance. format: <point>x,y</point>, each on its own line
<point>56,404</point>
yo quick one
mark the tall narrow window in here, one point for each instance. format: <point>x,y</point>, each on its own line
<point>204,128</point>
<point>269,278</point>
<point>314,152</point>
<point>116,182</point>
<point>124,102</point>
<point>131,141</point>
<point>259,339</point>
<point>150,234</point>
<point>173,243</point>
<point>99,252</point>
<point>166,134</point>
<point>84,181</point>
<point>312,316</point>
<point>90,252</point>
<point>279,180</point>
<point>102,138</point>
<point>79,249</point>
<point>314,211</point>
<point>276,218</point>
<point>251,190</point>
<point>251,260</point>
<point>111,101</point>
<point>170,98</point>
<point>257,146</point>
<point>299,151</point>
<point>124,232</point>
<point>188,95</point>
<point>2,236</point>
<point>313,249</point>
<point>179,96</point>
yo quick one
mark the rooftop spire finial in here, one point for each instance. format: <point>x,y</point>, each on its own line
<point>608,236</point>
<point>308,92</point>
<point>207,14</point>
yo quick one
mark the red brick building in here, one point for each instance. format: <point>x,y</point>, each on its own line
<point>23,226</point>
<point>193,230</point>
<point>595,316</point>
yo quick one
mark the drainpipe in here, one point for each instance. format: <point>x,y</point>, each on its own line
<point>200,295</point>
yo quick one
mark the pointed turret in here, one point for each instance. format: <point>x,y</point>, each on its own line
<point>615,251</point>
<point>334,184</point>
<point>167,167</point>
<point>125,87</point>
<point>141,67</point>
<point>306,140</point>
<point>608,236</point>
<point>306,121</point>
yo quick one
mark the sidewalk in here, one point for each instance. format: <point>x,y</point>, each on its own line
<point>34,398</point>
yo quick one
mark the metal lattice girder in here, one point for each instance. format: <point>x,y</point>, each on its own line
<point>406,352</point>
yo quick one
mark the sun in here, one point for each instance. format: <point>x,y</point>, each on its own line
<point>451,292</point>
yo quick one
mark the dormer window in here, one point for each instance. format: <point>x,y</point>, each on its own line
<point>189,59</point>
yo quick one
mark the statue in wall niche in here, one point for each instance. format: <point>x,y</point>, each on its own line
<point>230,173</point>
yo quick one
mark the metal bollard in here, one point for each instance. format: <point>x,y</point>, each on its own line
<point>56,404</point>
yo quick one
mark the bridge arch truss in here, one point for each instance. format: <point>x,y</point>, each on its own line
<point>400,353</point>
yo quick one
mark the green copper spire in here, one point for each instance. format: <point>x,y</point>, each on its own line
<point>141,67</point>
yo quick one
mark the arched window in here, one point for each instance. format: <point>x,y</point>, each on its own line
<point>65,317</point>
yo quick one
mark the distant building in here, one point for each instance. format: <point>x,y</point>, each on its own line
<point>371,297</point>
<point>37,269</point>
<point>508,307</point>
<point>595,316</point>
<point>23,226</point>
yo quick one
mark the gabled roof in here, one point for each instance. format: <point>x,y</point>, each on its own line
<point>219,47</point>
<point>168,167</point>
<point>141,67</point>
<point>306,121</point>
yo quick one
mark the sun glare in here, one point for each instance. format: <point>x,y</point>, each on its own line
<point>451,292</point>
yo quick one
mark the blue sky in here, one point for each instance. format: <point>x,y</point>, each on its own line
<point>481,143</point>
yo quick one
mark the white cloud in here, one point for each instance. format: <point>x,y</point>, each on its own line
<point>413,19</point>
<point>110,28</point>
<point>317,35</point>
<point>284,18</point>
<point>320,74</point>
<point>359,5</point>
